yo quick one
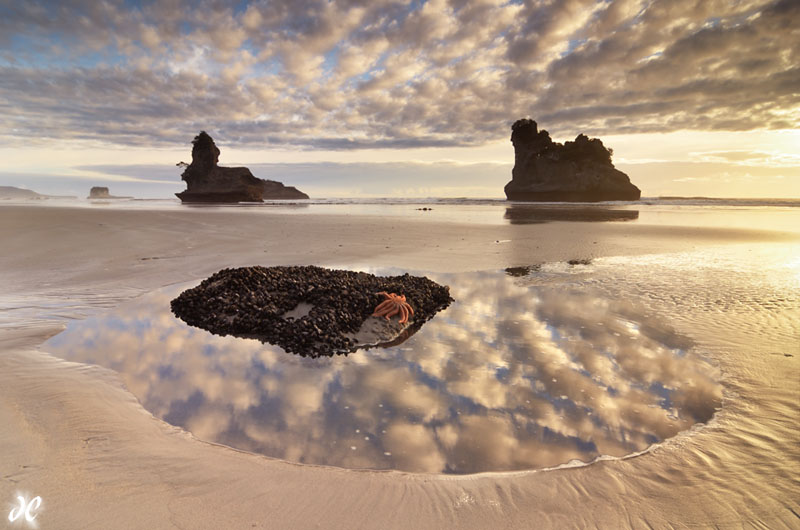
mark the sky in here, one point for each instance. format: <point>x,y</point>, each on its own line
<point>347,98</point>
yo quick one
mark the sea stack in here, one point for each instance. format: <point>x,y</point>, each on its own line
<point>101,192</point>
<point>579,171</point>
<point>208,182</point>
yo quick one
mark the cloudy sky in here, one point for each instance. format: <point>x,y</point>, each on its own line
<point>378,97</point>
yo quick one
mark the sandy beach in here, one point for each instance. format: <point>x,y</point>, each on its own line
<point>75,436</point>
<point>424,265</point>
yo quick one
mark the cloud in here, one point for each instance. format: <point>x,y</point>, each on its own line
<point>750,158</point>
<point>359,75</point>
<point>719,178</point>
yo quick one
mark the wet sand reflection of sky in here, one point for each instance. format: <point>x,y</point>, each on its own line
<point>508,377</point>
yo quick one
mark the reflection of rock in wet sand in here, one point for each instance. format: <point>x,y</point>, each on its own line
<point>508,377</point>
<point>524,214</point>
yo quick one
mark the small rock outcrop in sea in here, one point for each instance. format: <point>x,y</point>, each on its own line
<point>276,190</point>
<point>310,311</point>
<point>579,171</point>
<point>208,182</point>
<point>101,192</point>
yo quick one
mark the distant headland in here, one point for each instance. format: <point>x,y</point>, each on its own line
<point>11,192</point>
<point>208,182</point>
<point>579,171</point>
<point>15,194</point>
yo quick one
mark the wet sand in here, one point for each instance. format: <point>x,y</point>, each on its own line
<point>75,436</point>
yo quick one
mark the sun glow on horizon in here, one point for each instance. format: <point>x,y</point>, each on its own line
<point>690,163</point>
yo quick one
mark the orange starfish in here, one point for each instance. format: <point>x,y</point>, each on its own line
<point>394,304</point>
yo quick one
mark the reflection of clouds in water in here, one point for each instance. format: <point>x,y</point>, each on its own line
<point>509,377</point>
<point>414,447</point>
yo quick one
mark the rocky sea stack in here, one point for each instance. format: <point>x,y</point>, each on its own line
<point>310,311</point>
<point>579,171</point>
<point>101,192</point>
<point>208,182</point>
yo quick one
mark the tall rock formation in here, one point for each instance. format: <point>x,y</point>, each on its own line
<point>208,182</point>
<point>579,171</point>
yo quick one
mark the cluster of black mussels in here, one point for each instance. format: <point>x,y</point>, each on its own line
<point>253,302</point>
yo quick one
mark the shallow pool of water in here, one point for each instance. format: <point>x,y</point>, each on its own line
<point>516,374</point>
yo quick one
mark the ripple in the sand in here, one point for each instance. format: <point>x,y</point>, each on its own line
<point>508,377</point>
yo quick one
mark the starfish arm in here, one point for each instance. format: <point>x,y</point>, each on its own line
<point>383,306</point>
<point>386,310</point>
<point>393,305</point>
<point>382,311</point>
<point>389,303</point>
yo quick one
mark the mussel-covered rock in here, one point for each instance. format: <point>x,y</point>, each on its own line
<point>308,310</point>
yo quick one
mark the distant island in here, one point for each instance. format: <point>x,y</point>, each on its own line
<point>10,192</point>
<point>579,171</point>
<point>208,182</point>
<point>101,192</point>
<point>14,193</point>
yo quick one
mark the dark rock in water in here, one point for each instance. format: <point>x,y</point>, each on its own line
<point>101,192</point>
<point>521,272</point>
<point>276,190</point>
<point>310,310</point>
<point>98,192</point>
<point>579,171</point>
<point>208,182</point>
